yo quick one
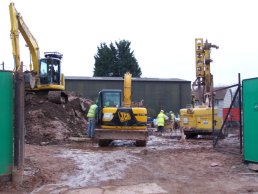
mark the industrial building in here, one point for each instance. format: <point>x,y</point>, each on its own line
<point>168,94</point>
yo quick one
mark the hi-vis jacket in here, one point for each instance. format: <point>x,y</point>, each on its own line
<point>92,111</point>
<point>161,119</point>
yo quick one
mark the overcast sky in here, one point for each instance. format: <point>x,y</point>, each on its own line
<point>162,34</point>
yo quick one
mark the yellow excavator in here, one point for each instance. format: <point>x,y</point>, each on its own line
<point>196,119</point>
<point>45,73</point>
<point>117,120</point>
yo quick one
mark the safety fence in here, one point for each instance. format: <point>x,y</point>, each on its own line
<point>229,138</point>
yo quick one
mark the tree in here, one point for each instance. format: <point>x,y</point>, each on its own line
<point>115,61</point>
<point>104,60</point>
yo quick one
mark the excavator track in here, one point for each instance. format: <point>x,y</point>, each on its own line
<point>58,97</point>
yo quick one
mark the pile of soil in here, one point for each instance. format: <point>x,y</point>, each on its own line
<point>50,123</point>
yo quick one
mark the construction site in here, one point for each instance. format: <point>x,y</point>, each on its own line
<point>197,138</point>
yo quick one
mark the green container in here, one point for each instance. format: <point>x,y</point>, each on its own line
<point>250,118</point>
<point>6,122</point>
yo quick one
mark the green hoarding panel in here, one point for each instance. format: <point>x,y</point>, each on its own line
<point>250,118</point>
<point>6,122</point>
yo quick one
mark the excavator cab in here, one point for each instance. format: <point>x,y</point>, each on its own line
<point>50,68</point>
<point>108,99</point>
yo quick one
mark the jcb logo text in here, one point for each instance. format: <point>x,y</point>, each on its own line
<point>124,116</point>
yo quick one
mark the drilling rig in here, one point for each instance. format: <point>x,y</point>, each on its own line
<point>196,119</point>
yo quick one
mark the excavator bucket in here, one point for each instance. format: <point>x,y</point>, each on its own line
<point>58,97</point>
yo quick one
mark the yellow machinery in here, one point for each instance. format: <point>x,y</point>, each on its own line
<point>197,118</point>
<point>117,121</point>
<point>45,74</point>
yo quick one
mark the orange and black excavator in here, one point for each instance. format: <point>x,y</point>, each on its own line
<point>117,120</point>
<point>45,73</point>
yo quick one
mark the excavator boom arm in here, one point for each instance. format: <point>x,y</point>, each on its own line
<point>127,89</point>
<point>18,24</point>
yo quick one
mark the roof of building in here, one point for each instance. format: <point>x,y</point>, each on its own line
<point>219,95</point>
<point>120,78</point>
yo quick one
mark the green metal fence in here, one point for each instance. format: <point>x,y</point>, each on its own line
<point>6,122</point>
<point>250,110</point>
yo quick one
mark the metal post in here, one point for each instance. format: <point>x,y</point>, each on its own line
<point>3,64</point>
<point>213,130</point>
<point>240,112</point>
<point>19,127</point>
<point>16,120</point>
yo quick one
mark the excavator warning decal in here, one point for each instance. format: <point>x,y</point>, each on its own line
<point>124,116</point>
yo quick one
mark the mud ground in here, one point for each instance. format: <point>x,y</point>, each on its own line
<point>56,162</point>
<point>50,123</point>
<point>165,165</point>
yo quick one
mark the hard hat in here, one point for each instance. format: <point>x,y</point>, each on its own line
<point>162,111</point>
<point>170,112</point>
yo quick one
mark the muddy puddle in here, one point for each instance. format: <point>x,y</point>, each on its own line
<point>96,165</point>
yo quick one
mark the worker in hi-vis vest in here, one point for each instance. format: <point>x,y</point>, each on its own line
<point>172,119</point>
<point>91,120</point>
<point>161,118</point>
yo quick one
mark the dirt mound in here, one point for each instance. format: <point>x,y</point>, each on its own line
<point>50,123</point>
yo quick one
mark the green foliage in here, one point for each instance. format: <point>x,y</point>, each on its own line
<point>115,61</point>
